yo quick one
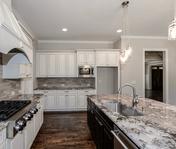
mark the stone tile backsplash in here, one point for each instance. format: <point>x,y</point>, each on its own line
<point>66,82</point>
<point>8,88</point>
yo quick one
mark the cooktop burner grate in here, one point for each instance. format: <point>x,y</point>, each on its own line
<point>9,107</point>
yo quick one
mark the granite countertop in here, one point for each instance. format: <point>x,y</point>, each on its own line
<point>32,97</point>
<point>156,129</point>
<point>64,88</point>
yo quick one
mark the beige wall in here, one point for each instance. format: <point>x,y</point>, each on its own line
<point>132,70</point>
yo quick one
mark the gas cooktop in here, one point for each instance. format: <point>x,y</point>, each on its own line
<point>9,107</point>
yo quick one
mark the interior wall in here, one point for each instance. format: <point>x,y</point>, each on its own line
<point>57,45</point>
<point>132,70</point>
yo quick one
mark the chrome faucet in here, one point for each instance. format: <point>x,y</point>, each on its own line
<point>135,100</point>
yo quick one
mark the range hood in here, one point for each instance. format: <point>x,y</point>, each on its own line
<point>12,35</point>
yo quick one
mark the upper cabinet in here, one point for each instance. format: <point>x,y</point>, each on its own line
<point>86,58</point>
<point>56,64</point>
<point>107,58</point>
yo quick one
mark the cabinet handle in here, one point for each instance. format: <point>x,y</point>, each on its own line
<point>118,139</point>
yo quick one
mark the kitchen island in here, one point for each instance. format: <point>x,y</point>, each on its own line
<point>155,128</point>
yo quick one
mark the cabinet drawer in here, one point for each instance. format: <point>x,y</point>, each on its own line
<point>2,136</point>
<point>66,92</point>
<point>86,92</point>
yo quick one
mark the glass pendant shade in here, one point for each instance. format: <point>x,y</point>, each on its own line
<point>172,30</point>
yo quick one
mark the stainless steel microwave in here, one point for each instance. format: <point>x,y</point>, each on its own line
<point>86,71</point>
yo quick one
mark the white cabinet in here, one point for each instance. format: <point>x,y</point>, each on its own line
<point>82,98</point>
<point>50,101</point>
<point>71,102</point>
<point>41,65</point>
<point>29,133</point>
<point>110,58</point>
<point>56,64</point>
<point>61,65</point>
<point>61,102</point>
<point>70,65</point>
<point>17,142</point>
<point>86,58</point>
<point>2,139</point>
<point>51,65</point>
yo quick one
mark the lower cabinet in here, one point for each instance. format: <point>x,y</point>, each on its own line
<point>29,133</point>
<point>18,142</point>
<point>99,127</point>
<point>67,100</point>
<point>2,139</point>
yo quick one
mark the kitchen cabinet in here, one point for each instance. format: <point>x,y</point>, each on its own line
<point>107,58</point>
<point>56,64</point>
<point>71,102</point>
<point>51,65</point>
<point>50,101</point>
<point>86,58</point>
<point>2,139</point>
<point>82,98</point>
<point>100,126</point>
<point>18,142</point>
<point>61,100</point>
<point>41,64</point>
<point>29,133</point>
<point>67,100</point>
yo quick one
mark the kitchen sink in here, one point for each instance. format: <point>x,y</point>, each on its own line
<point>117,107</point>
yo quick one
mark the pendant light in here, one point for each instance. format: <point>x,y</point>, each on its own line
<point>126,52</point>
<point>172,27</point>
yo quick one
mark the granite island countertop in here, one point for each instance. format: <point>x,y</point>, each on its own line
<point>156,129</point>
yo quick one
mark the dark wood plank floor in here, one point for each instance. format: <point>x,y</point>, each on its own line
<point>64,131</point>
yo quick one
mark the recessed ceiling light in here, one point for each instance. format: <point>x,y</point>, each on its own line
<point>64,29</point>
<point>119,30</point>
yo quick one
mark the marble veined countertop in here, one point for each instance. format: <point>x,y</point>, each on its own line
<point>156,129</point>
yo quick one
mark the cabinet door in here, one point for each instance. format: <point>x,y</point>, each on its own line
<point>50,102</point>
<point>101,58</point>
<point>81,58</point>
<point>41,65</point>
<point>61,65</point>
<point>113,59</point>
<point>70,65</point>
<point>81,102</point>
<point>51,65</point>
<point>90,56</point>
<point>71,101</point>
<point>61,102</point>
<point>29,134</point>
<point>108,141</point>
<point>17,142</point>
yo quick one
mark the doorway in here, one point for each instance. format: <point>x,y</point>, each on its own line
<point>155,75</point>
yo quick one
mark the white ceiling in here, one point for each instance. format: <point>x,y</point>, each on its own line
<point>94,19</point>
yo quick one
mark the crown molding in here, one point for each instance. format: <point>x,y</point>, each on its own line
<point>75,41</point>
<point>145,37</point>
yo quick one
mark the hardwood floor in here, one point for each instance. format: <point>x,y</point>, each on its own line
<point>64,131</point>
